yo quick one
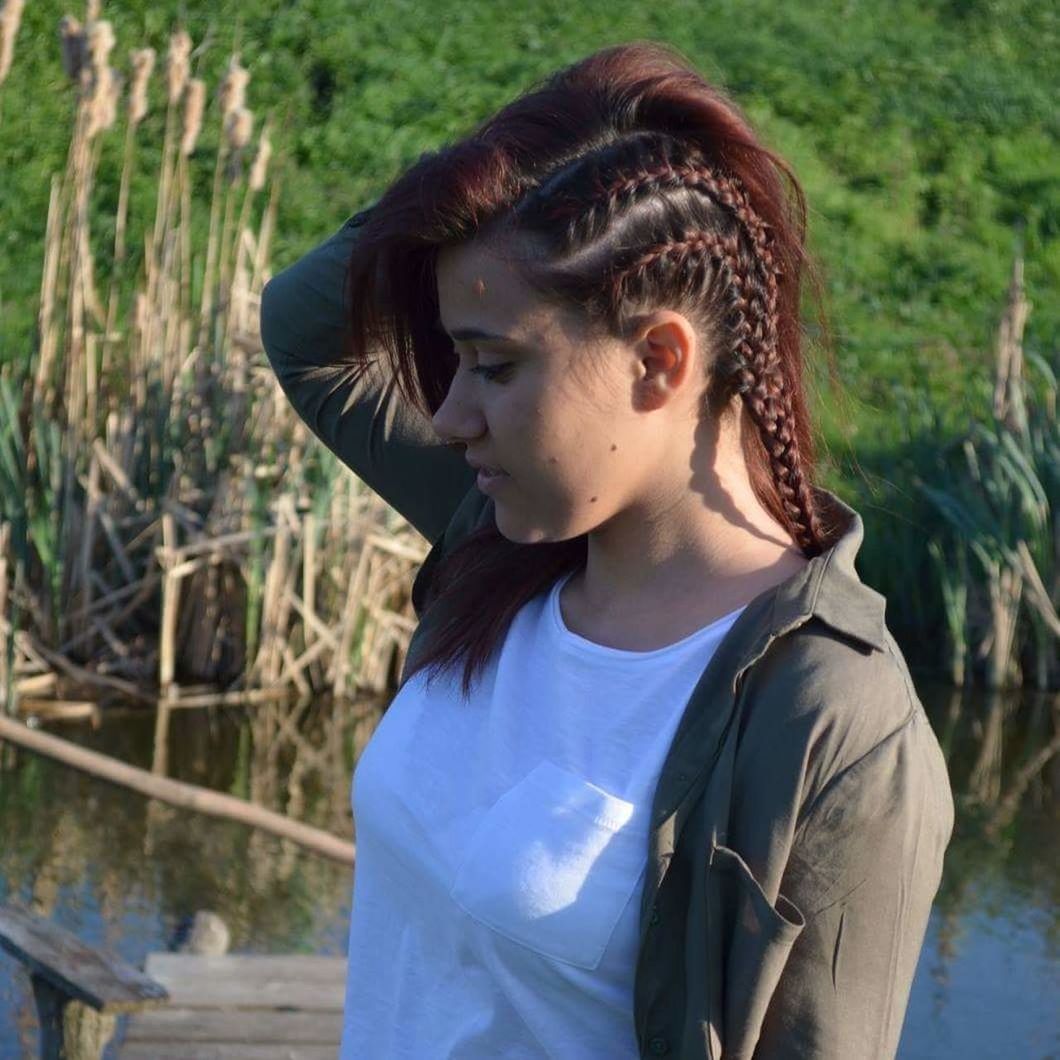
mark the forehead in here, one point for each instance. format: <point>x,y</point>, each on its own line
<point>478,287</point>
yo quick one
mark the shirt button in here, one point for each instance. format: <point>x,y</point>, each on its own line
<point>658,1047</point>
<point>654,915</point>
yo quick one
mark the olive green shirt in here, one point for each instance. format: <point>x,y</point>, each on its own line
<point>802,813</point>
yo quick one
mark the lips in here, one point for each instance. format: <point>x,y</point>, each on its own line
<point>487,468</point>
<point>489,481</point>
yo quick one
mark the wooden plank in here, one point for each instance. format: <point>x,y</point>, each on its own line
<point>101,981</point>
<point>206,1051</point>
<point>251,981</point>
<point>304,966</point>
<point>58,709</point>
<point>250,1026</point>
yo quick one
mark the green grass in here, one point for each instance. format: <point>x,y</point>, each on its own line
<point>926,138</point>
<point>923,135</point>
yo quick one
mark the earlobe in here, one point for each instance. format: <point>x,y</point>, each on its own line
<point>653,391</point>
<point>663,370</point>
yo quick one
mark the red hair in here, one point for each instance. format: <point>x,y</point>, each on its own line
<point>629,142</point>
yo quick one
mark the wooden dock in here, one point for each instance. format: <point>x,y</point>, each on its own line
<point>206,1005</point>
<point>245,1007</point>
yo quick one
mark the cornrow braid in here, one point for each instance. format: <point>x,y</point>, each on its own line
<point>752,304</point>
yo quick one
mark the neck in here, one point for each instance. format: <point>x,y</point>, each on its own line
<point>712,548</point>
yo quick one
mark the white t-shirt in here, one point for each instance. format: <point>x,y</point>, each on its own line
<point>501,848</point>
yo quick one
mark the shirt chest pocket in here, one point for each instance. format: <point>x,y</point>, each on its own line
<point>552,864</point>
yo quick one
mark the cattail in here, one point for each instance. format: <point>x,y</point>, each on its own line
<point>101,42</point>
<point>238,127</point>
<point>74,48</point>
<point>10,17</point>
<point>194,104</point>
<point>177,64</point>
<point>261,161</point>
<point>142,61</point>
<point>103,107</point>
<point>233,91</point>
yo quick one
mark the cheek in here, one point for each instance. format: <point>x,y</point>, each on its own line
<point>555,433</point>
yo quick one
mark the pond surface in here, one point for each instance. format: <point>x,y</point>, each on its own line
<point>125,874</point>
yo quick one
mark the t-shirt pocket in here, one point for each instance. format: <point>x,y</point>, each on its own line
<point>552,864</point>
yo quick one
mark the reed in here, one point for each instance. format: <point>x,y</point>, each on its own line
<point>10,19</point>
<point>165,518</point>
<point>997,490</point>
<point>142,61</point>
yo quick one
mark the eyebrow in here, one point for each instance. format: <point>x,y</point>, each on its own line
<point>473,334</point>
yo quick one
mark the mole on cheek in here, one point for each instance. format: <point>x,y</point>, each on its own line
<point>613,448</point>
<point>592,500</point>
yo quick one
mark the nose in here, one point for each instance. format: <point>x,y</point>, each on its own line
<point>457,418</point>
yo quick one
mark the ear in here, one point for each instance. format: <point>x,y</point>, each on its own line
<point>665,349</point>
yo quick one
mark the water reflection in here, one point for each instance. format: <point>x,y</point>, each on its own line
<point>124,873</point>
<point>987,983</point>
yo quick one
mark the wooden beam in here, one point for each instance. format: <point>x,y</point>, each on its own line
<point>105,983</point>
<point>177,793</point>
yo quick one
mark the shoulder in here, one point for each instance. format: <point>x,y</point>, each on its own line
<point>835,751</point>
<point>817,702</point>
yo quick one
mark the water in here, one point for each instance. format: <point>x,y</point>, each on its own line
<point>124,874</point>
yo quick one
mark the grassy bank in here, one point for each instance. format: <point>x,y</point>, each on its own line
<point>166,523</point>
<point>923,134</point>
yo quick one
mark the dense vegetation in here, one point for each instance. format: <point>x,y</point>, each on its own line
<point>925,136</point>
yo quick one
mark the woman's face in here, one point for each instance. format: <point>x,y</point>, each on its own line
<point>582,427</point>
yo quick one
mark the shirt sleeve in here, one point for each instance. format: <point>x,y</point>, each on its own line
<point>865,866</point>
<point>357,411</point>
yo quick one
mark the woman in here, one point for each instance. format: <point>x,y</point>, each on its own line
<point>656,781</point>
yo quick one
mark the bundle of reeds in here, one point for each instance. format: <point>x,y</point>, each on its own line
<point>164,516</point>
<point>998,489</point>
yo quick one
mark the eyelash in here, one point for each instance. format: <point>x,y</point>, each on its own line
<point>491,372</point>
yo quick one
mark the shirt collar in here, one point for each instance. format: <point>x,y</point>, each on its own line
<point>828,587</point>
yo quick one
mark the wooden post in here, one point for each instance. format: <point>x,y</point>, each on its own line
<point>79,991</point>
<point>170,596</point>
<point>69,1029</point>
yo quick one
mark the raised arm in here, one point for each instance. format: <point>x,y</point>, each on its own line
<point>357,413</point>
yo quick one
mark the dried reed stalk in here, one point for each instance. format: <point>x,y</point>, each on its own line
<point>167,653</point>
<point>166,491</point>
<point>231,95</point>
<point>142,61</point>
<point>10,19</point>
<point>6,683</point>
<point>1008,392</point>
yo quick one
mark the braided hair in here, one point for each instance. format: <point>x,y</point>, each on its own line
<point>621,184</point>
<point>717,258</point>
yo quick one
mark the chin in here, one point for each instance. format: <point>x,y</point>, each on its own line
<point>514,531</point>
<point>523,534</point>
